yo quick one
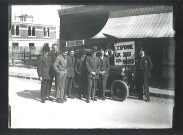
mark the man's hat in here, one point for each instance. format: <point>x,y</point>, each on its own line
<point>64,50</point>
<point>46,48</point>
<point>94,49</point>
<point>142,49</point>
<point>54,44</point>
<point>83,53</point>
<point>72,52</point>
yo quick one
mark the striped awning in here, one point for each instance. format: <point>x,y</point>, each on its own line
<point>133,24</point>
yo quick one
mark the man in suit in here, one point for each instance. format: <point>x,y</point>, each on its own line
<point>144,65</point>
<point>93,68</point>
<point>103,74</point>
<point>70,74</point>
<point>53,55</point>
<point>80,68</point>
<point>43,69</point>
<point>60,67</point>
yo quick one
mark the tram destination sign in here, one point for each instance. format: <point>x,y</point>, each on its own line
<point>124,53</point>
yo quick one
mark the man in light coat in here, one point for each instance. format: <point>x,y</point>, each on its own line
<point>60,67</point>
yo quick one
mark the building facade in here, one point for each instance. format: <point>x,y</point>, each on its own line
<point>26,36</point>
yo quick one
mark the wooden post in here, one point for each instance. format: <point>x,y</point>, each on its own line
<point>24,55</point>
<point>30,54</point>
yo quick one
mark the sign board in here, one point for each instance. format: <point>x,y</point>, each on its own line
<point>74,43</point>
<point>124,53</point>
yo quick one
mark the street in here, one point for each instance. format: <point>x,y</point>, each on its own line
<point>28,112</point>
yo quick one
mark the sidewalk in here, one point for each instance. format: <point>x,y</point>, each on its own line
<point>31,73</point>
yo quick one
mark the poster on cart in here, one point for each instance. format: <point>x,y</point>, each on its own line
<point>124,53</point>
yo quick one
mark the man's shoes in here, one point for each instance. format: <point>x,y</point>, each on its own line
<point>140,98</point>
<point>71,97</point>
<point>147,99</point>
<point>87,101</point>
<point>64,99</point>
<point>59,100</point>
<point>42,101</point>
<point>94,99</point>
<point>50,99</point>
<point>103,98</point>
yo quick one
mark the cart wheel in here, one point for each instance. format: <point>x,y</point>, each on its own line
<point>119,90</point>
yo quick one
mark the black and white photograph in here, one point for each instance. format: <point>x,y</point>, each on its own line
<point>91,66</point>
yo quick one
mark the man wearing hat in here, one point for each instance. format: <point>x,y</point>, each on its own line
<point>93,68</point>
<point>80,68</point>
<point>43,69</point>
<point>70,74</point>
<point>144,65</point>
<point>60,67</point>
<point>53,55</point>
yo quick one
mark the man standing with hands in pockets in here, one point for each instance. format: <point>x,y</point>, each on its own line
<point>60,67</point>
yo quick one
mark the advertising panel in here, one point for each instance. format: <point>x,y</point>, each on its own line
<point>74,43</point>
<point>124,53</point>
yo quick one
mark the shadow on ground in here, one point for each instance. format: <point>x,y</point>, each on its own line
<point>33,94</point>
<point>30,94</point>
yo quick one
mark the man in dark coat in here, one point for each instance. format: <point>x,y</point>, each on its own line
<point>60,67</point>
<point>93,68</point>
<point>43,69</point>
<point>104,73</point>
<point>80,68</point>
<point>70,74</point>
<point>53,55</point>
<point>144,65</point>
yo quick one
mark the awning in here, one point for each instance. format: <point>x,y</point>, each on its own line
<point>123,24</point>
<point>82,25</point>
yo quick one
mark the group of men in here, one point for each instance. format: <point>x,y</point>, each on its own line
<point>63,66</point>
<point>92,72</point>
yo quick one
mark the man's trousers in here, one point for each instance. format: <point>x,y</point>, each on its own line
<point>60,88</point>
<point>102,86</point>
<point>68,85</point>
<point>90,88</point>
<point>51,81</point>
<point>142,85</point>
<point>45,87</point>
<point>82,86</point>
